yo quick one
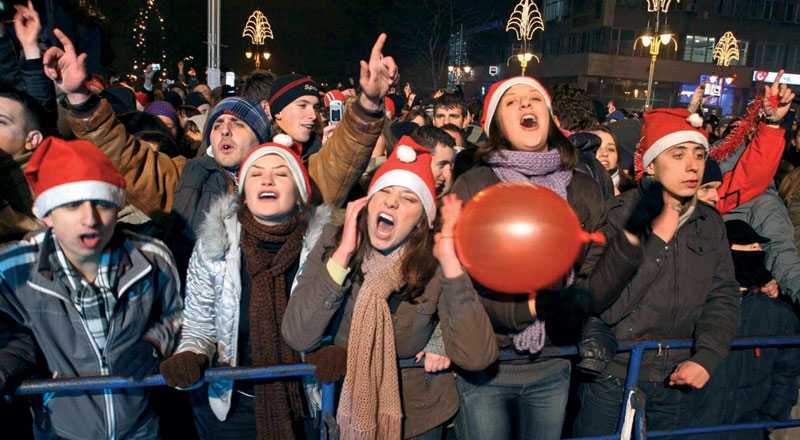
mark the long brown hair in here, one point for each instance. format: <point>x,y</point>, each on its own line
<point>497,141</point>
<point>419,265</point>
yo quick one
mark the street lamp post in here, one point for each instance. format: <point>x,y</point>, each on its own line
<point>459,70</point>
<point>653,38</point>
<point>524,21</point>
<point>258,29</point>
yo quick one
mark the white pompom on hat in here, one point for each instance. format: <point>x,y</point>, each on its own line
<point>663,129</point>
<point>497,91</point>
<point>408,166</point>
<point>61,172</point>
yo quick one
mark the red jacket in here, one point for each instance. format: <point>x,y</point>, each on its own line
<point>754,171</point>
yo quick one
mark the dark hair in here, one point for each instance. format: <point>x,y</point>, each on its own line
<point>257,85</point>
<point>625,181</point>
<point>475,107</point>
<point>418,266</point>
<point>450,100</point>
<point>555,139</point>
<point>575,111</point>
<point>166,144</point>
<point>454,128</point>
<point>187,111</point>
<point>33,113</point>
<point>430,137</point>
<point>414,113</point>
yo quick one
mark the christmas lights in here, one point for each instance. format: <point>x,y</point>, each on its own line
<point>149,43</point>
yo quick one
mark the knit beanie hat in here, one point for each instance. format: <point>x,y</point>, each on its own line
<point>122,99</point>
<point>396,102</point>
<point>173,98</point>
<point>664,128</point>
<point>62,172</point>
<point>247,110</point>
<point>334,95</point>
<point>195,99</point>
<point>499,88</point>
<point>280,147</point>
<point>712,172</point>
<point>409,166</point>
<point>163,108</point>
<point>288,88</point>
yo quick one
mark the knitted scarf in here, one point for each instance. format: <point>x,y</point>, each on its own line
<point>369,407</point>
<point>541,169</point>
<point>526,166</point>
<point>276,403</point>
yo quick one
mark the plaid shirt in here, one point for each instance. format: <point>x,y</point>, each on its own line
<point>95,301</point>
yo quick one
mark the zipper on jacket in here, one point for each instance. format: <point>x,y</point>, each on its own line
<point>104,371</point>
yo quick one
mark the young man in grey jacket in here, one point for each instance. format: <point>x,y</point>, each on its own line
<point>98,300</point>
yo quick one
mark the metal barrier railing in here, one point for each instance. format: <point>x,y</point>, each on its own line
<point>328,425</point>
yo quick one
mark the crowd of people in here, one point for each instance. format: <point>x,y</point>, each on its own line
<point>170,228</point>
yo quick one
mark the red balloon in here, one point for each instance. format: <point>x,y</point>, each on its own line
<point>518,237</point>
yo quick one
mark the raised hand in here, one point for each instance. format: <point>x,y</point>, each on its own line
<point>67,69</point>
<point>350,237</point>
<point>444,246</point>
<point>27,27</point>
<point>377,77</point>
<point>782,94</point>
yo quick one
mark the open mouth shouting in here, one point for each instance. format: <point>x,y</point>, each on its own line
<point>385,226</point>
<point>529,122</point>
<point>268,195</point>
<point>89,241</point>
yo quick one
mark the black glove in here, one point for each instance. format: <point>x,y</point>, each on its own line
<point>649,207</point>
<point>184,369</point>
<point>564,312</point>
<point>331,362</point>
<point>597,347</point>
<point>138,361</point>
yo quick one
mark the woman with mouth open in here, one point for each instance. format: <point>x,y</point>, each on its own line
<point>240,275</point>
<point>384,281</point>
<point>524,144</point>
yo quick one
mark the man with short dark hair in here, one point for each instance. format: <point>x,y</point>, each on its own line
<point>441,146</point>
<point>450,109</point>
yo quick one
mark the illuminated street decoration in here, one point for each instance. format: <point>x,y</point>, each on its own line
<point>662,5</point>
<point>524,21</point>
<point>148,34</point>
<point>726,50</point>
<point>257,28</point>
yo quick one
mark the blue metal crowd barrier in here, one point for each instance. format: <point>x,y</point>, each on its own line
<point>328,426</point>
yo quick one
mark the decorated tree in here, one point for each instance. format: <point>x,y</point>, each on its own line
<point>149,38</point>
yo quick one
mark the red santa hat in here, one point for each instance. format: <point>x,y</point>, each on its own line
<point>409,166</point>
<point>497,91</point>
<point>664,128</point>
<point>62,172</point>
<point>280,146</point>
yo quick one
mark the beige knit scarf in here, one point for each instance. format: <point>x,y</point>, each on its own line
<point>369,407</point>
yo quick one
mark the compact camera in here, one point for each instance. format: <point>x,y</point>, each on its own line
<point>336,112</point>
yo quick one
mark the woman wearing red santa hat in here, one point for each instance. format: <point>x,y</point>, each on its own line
<point>524,144</point>
<point>385,281</point>
<point>242,268</point>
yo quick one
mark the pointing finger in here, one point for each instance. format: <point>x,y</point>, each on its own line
<point>377,49</point>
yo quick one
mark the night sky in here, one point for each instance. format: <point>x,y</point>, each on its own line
<point>324,39</point>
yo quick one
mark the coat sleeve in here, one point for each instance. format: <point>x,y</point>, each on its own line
<point>719,320</point>
<point>166,329</point>
<point>755,169</point>
<point>9,70</point>
<point>341,161</point>
<point>199,313</point>
<point>150,177</point>
<point>38,85</point>
<point>315,299</point>
<point>468,335</point>
<point>18,352</point>
<point>785,371</point>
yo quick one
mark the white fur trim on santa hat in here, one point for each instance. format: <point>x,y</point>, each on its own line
<point>695,120</point>
<point>294,167</point>
<point>76,192</point>
<point>406,154</point>
<point>494,100</point>
<point>671,140</point>
<point>283,139</point>
<point>411,181</point>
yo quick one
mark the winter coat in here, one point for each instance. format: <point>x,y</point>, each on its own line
<point>599,268</point>
<point>149,305</point>
<point>683,289</point>
<point>213,294</point>
<point>755,384</point>
<point>769,218</point>
<point>428,399</point>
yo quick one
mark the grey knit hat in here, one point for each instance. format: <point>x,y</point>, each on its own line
<point>248,111</point>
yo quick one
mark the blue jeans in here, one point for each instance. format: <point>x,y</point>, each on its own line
<point>495,410</point>
<point>666,408</point>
